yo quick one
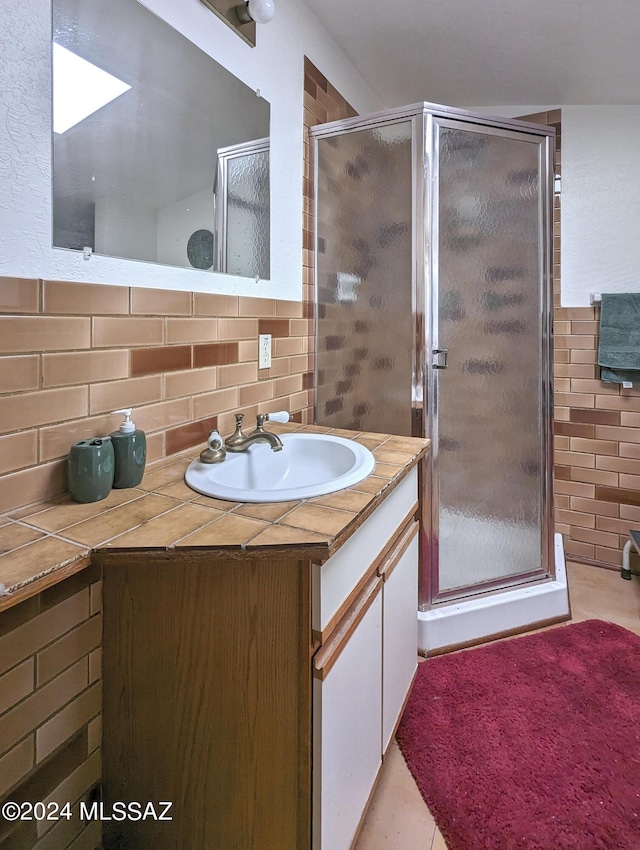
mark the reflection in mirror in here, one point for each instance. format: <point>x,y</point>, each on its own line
<point>135,167</point>
<point>242,209</point>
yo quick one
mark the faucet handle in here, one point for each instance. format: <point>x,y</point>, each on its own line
<point>215,440</point>
<point>215,452</point>
<point>281,416</point>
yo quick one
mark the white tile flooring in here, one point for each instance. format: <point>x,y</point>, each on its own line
<point>398,818</point>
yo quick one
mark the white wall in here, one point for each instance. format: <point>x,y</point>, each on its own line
<point>122,229</point>
<point>600,206</point>
<point>600,201</point>
<point>177,222</point>
<point>275,67</point>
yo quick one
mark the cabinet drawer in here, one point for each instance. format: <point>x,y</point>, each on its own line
<point>335,580</point>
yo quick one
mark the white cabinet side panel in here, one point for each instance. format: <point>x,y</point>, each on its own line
<point>400,637</point>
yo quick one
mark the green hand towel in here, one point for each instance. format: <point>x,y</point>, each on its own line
<point>619,347</point>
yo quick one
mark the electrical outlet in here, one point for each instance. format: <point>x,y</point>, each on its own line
<point>264,351</point>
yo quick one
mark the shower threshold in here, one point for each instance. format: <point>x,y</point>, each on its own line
<point>496,614</point>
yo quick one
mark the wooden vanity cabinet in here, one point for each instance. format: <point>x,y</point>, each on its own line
<point>257,694</point>
<point>207,700</point>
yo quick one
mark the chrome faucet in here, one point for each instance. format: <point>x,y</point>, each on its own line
<point>240,442</point>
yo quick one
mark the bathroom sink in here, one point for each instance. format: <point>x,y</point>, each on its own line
<point>308,465</point>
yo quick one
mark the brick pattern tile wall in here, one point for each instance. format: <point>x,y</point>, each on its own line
<point>322,103</point>
<point>50,711</point>
<point>70,353</point>
<point>597,446</point>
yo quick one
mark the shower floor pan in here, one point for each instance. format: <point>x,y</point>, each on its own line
<point>492,614</point>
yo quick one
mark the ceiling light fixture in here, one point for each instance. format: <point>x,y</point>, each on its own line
<point>260,11</point>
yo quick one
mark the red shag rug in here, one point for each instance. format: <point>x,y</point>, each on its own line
<point>531,743</point>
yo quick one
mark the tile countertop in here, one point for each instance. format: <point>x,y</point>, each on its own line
<point>44,543</point>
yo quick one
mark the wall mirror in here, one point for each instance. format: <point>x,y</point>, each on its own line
<point>141,139</point>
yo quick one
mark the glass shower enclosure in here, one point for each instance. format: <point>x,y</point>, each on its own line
<point>433,287</point>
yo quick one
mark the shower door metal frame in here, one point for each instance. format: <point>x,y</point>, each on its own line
<point>424,259</point>
<point>221,193</point>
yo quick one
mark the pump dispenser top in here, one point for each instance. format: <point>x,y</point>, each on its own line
<point>127,427</point>
<point>130,449</point>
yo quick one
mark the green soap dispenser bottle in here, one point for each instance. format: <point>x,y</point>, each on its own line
<point>130,449</point>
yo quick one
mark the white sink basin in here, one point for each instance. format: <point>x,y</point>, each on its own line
<point>308,465</point>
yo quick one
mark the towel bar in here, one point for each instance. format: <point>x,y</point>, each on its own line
<point>595,298</point>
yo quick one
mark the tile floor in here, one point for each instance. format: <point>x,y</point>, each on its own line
<point>398,818</point>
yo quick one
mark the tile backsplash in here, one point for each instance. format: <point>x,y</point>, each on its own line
<point>70,353</point>
<point>597,446</point>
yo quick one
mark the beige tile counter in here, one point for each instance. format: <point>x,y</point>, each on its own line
<point>44,543</point>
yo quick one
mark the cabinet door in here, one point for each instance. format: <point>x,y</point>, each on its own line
<point>400,628</point>
<point>347,709</point>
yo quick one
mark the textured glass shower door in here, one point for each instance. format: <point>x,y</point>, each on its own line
<point>242,212</point>
<point>489,343</point>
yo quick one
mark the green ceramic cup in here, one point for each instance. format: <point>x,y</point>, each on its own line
<point>91,468</point>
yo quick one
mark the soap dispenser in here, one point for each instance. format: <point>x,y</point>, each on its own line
<point>90,469</point>
<point>130,449</point>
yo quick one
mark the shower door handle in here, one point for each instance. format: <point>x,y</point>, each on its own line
<point>439,356</point>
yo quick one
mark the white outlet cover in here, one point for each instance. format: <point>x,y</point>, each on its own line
<point>264,351</point>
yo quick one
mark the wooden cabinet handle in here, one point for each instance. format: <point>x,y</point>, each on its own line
<point>390,562</point>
